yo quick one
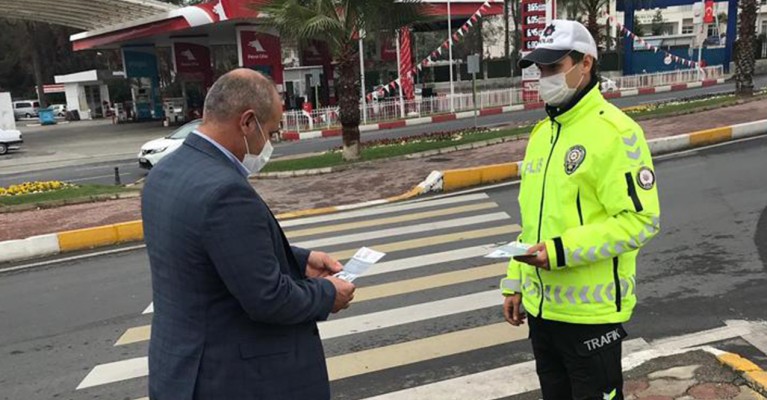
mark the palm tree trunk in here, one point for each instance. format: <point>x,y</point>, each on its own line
<point>745,55</point>
<point>349,104</point>
<point>37,68</point>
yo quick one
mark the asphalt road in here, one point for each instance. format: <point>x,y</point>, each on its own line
<point>41,141</point>
<point>60,323</point>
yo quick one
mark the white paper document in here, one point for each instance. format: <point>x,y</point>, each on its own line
<point>509,250</point>
<point>359,264</point>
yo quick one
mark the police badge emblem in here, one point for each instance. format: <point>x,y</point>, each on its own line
<point>645,178</point>
<point>574,158</point>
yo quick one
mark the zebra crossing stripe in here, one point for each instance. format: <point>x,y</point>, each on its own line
<point>388,221</point>
<point>115,372</point>
<point>409,314</point>
<point>487,385</point>
<point>425,260</point>
<point>404,230</point>
<point>142,333</point>
<point>383,210</point>
<point>506,231</point>
<point>428,282</point>
<point>397,355</point>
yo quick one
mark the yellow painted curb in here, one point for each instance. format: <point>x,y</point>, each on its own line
<point>758,379</point>
<point>711,136</point>
<point>87,238</point>
<point>750,371</point>
<point>130,231</point>
<point>463,178</point>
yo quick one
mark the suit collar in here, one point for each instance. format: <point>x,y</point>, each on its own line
<point>199,143</point>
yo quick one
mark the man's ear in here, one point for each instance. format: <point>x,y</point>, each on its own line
<point>588,64</point>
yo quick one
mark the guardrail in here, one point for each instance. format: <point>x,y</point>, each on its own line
<point>390,109</point>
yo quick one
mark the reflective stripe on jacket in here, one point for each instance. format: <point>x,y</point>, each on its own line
<point>588,192</point>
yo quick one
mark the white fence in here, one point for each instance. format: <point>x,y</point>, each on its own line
<point>390,109</point>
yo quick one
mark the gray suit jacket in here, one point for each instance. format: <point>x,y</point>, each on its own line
<point>234,314</point>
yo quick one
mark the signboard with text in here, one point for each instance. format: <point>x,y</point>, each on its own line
<point>262,52</point>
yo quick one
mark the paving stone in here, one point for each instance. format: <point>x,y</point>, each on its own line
<point>667,387</point>
<point>714,391</point>
<point>746,393</point>
<point>653,397</point>
<point>634,386</point>
<point>685,372</point>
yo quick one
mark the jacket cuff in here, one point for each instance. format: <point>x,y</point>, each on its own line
<point>302,257</point>
<point>556,252</point>
<point>329,297</point>
<point>511,286</point>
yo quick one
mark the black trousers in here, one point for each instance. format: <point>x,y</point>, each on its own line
<point>576,361</point>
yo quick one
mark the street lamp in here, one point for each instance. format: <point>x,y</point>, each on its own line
<point>450,55</point>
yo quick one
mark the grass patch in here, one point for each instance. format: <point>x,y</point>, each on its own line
<point>80,192</point>
<point>377,153</point>
<point>668,109</point>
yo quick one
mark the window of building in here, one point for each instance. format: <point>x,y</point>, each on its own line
<point>687,26</point>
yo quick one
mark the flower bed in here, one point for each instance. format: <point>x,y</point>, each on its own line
<point>34,187</point>
<point>441,136</point>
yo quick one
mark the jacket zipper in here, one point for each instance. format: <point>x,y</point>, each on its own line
<point>617,285</point>
<point>540,212</point>
<point>578,205</point>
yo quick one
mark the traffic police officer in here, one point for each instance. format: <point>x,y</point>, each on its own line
<point>588,203</point>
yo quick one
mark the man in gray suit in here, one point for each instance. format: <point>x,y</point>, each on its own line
<point>235,306</point>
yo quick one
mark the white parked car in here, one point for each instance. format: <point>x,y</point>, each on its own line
<point>10,139</point>
<point>155,150</point>
<point>59,110</point>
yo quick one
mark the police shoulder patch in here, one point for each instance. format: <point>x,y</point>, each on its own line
<point>574,158</point>
<point>646,178</point>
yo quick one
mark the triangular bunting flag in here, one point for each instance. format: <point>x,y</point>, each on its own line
<point>446,44</point>
<point>439,50</point>
<point>420,67</point>
<point>469,23</point>
<point>455,37</point>
<point>479,13</point>
<point>460,32</point>
<point>487,4</point>
<point>465,28</point>
<point>474,18</point>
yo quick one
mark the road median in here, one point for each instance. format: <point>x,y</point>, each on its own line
<point>437,182</point>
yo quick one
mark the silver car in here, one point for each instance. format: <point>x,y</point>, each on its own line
<point>26,109</point>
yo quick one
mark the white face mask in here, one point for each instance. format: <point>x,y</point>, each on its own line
<point>255,163</point>
<point>554,90</point>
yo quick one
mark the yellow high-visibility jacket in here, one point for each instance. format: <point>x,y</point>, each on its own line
<point>588,192</point>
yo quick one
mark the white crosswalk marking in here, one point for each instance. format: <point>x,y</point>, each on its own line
<point>434,276</point>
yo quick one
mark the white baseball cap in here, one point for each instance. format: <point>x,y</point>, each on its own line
<point>557,41</point>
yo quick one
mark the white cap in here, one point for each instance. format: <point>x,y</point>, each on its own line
<point>558,40</point>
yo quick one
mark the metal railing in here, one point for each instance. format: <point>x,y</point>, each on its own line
<point>390,109</point>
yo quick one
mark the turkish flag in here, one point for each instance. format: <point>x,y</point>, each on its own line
<point>708,16</point>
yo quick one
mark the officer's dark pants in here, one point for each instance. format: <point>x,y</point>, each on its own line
<point>579,362</point>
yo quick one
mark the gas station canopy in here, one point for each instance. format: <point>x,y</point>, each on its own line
<point>83,14</point>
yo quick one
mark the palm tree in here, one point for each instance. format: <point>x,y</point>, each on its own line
<point>591,9</point>
<point>745,51</point>
<point>339,23</point>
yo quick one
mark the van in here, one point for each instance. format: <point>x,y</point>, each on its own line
<point>26,109</point>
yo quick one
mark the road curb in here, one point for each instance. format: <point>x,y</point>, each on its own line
<point>436,182</point>
<point>294,136</point>
<point>468,177</point>
<point>752,373</point>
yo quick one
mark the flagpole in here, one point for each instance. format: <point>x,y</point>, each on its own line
<point>399,74</point>
<point>362,85</point>
<point>450,54</point>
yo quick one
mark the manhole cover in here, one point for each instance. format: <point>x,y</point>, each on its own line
<point>439,159</point>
